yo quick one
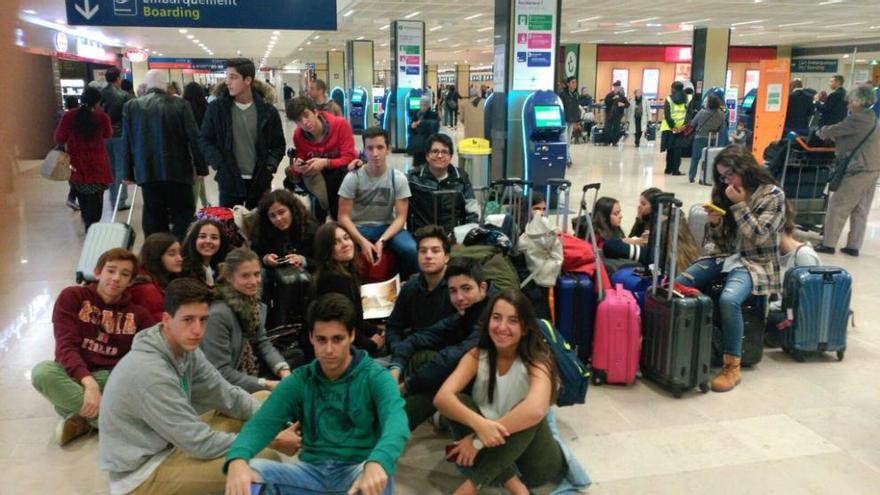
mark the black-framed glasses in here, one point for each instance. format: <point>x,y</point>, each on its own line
<point>438,152</point>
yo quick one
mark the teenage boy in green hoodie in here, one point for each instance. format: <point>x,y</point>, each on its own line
<point>349,410</point>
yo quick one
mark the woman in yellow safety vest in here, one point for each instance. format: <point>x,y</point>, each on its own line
<point>674,117</point>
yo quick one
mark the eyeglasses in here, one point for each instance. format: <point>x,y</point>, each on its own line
<point>726,176</point>
<point>439,152</point>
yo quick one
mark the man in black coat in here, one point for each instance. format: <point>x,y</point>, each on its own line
<point>572,110</point>
<point>833,110</point>
<point>615,106</point>
<point>800,109</point>
<point>242,137</point>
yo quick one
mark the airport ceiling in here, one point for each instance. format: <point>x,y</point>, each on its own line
<point>461,30</point>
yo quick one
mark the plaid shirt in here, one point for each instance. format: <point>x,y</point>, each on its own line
<point>759,220</point>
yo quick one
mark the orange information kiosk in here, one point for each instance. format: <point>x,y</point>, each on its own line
<point>772,103</point>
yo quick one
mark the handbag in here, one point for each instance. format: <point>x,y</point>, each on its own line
<point>843,162</point>
<point>56,165</point>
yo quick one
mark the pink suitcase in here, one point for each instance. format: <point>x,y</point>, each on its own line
<point>617,337</point>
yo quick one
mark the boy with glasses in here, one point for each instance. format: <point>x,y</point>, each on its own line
<point>440,175</point>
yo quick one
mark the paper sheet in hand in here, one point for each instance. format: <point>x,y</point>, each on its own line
<point>378,299</point>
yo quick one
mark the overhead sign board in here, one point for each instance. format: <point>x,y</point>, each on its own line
<point>194,64</point>
<point>814,65</point>
<point>410,59</point>
<point>534,44</point>
<point>242,14</point>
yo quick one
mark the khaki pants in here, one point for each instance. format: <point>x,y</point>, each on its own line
<point>182,474</point>
<point>852,201</point>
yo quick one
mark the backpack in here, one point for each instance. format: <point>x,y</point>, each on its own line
<point>574,377</point>
<point>543,252</point>
<point>497,267</point>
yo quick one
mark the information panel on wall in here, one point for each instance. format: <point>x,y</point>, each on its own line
<point>244,14</point>
<point>534,55</point>
<point>409,58</point>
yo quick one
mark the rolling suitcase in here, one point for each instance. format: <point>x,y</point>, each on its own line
<point>676,330</point>
<point>651,131</point>
<point>617,330</point>
<point>290,296</point>
<point>696,220</point>
<point>706,177</point>
<point>817,302</point>
<point>102,237</point>
<point>598,134</point>
<point>754,325</point>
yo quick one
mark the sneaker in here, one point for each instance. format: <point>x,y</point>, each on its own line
<point>821,248</point>
<point>850,251</point>
<point>71,203</point>
<point>70,429</point>
<point>124,207</point>
<point>677,173</point>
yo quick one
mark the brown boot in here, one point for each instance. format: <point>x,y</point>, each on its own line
<point>730,375</point>
<point>70,429</point>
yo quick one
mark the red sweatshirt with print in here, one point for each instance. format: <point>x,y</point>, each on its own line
<point>337,145</point>
<point>91,334</point>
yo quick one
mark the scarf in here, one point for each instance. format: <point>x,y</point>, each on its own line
<point>247,310</point>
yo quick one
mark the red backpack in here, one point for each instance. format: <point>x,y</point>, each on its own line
<point>578,257</point>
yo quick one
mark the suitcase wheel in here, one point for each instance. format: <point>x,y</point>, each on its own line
<point>704,387</point>
<point>677,393</point>
<point>840,354</point>
<point>797,355</point>
<point>598,377</point>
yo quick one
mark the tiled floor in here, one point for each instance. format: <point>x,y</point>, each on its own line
<point>789,428</point>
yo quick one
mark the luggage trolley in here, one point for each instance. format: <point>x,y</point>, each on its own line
<point>805,177</point>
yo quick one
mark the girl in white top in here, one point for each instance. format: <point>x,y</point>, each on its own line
<point>503,434</point>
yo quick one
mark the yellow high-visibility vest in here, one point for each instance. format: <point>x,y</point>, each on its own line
<point>678,113</point>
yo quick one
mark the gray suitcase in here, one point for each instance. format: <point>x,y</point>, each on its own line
<point>705,175</point>
<point>102,237</point>
<point>696,222</point>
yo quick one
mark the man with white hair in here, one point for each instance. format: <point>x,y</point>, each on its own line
<point>161,153</point>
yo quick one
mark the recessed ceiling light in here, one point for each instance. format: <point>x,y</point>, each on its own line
<point>435,28</point>
<point>744,23</point>
<point>359,38</point>
<point>299,50</point>
<point>441,40</point>
<point>181,31</point>
<point>348,13</point>
<point>844,25</point>
<point>646,19</point>
<point>695,21</point>
<point>196,41</point>
<point>29,11</point>
<point>585,19</point>
<point>276,32</point>
<point>308,42</point>
<point>411,15</point>
<point>386,26</point>
<point>190,36</point>
<point>796,24</point>
<point>60,21</point>
<point>471,17</point>
<point>317,36</point>
<point>384,44</point>
<point>579,30</point>
<point>481,30</point>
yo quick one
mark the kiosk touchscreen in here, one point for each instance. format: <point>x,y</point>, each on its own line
<point>544,144</point>
<point>358,109</point>
<point>746,115</point>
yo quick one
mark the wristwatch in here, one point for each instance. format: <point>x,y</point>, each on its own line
<point>477,443</point>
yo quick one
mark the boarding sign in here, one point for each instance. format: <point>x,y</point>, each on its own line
<point>534,50</point>
<point>241,14</point>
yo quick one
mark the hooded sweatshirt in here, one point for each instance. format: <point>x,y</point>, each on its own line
<point>151,406</point>
<point>91,334</point>
<point>359,417</point>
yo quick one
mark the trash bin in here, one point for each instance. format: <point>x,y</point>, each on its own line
<point>473,157</point>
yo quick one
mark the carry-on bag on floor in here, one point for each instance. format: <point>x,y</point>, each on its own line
<point>634,279</point>
<point>754,325</point>
<point>817,301</point>
<point>676,330</point>
<point>289,296</point>
<point>707,159</point>
<point>651,131</point>
<point>696,220</point>
<point>598,134</point>
<point>617,330</point>
<point>102,237</point>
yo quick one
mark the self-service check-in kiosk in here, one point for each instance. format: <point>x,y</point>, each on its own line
<point>746,114</point>
<point>399,112</point>
<point>358,110</point>
<point>544,143</point>
<point>338,95</point>
<point>413,99</point>
<point>487,116</point>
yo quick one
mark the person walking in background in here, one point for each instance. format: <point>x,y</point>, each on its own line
<point>832,109</point>
<point>112,99</point>
<point>858,137</point>
<point>707,121</point>
<point>70,103</point>
<point>195,95</point>
<point>639,115</point>
<point>288,92</point>
<point>162,155</point>
<point>800,109</point>
<point>572,110</point>
<point>451,103</point>
<point>615,106</point>
<point>83,131</point>
<point>674,117</point>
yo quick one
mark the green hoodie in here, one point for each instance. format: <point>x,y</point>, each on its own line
<point>358,417</point>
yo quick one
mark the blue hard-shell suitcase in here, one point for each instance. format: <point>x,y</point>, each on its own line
<point>817,301</point>
<point>575,304</point>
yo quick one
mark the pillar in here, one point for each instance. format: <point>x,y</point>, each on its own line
<point>335,70</point>
<point>432,79</point>
<point>709,64</point>
<point>588,67</point>
<point>783,51</point>
<point>322,74</point>
<point>359,67</point>
<point>463,79</point>
<point>139,73</point>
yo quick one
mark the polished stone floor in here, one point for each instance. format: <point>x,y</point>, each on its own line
<point>790,428</point>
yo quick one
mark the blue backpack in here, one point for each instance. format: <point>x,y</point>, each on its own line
<point>574,377</point>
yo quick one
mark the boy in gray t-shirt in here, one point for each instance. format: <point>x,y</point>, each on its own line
<point>373,204</point>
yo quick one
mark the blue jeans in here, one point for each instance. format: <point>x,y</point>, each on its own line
<point>696,152</point>
<point>318,478</point>
<point>402,243</point>
<point>737,289</point>
<point>114,150</point>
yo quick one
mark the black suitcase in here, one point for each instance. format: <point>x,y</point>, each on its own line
<point>651,131</point>
<point>598,134</point>
<point>289,296</point>
<point>754,325</point>
<point>676,330</point>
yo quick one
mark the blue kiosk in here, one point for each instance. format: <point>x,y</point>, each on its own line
<point>338,95</point>
<point>543,140</point>
<point>746,114</point>
<point>358,109</point>
<point>399,113</point>
<point>487,116</point>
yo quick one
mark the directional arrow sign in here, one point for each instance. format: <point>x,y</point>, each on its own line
<point>85,11</point>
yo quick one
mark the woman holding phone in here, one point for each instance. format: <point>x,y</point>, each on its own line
<point>742,245</point>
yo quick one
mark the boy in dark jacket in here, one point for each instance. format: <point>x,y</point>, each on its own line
<point>94,327</point>
<point>242,137</point>
<point>349,411</point>
<point>424,299</point>
<point>426,358</point>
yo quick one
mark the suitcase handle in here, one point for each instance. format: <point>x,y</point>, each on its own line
<point>591,235</point>
<point>118,197</point>
<point>564,188</point>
